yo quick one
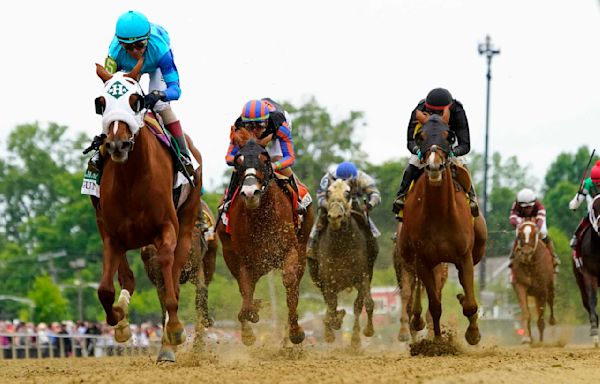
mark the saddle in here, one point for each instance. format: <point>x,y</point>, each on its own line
<point>461,175</point>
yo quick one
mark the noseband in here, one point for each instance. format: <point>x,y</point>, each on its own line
<point>433,149</point>
<point>251,178</point>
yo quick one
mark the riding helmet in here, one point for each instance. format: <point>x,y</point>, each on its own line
<point>255,110</point>
<point>132,26</point>
<point>438,99</point>
<point>526,196</point>
<point>595,172</point>
<point>346,170</point>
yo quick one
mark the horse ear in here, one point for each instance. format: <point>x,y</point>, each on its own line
<point>241,137</point>
<point>421,117</point>
<point>135,72</point>
<point>446,115</point>
<point>103,73</point>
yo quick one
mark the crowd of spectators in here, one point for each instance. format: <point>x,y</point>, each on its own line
<point>20,339</point>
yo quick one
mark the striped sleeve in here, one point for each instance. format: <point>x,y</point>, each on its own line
<point>513,218</point>
<point>284,136</point>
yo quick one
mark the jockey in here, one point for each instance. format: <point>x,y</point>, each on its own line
<point>436,101</point>
<point>527,206</point>
<point>268,121</point>
<point>589,190</point>
<point>365,196</point>
<point>135,38</point>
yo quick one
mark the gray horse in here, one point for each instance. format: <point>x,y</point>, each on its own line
<point>343,263</point>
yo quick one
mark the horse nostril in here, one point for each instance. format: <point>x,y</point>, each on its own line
<point>125,146</point>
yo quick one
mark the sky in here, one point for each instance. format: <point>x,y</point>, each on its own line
<point>379,56</point>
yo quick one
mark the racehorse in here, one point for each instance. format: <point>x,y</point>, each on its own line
<point>136,205</point>
<point>588,275</point>
<point>343,262</point>
<point>263,234</point>
<point>438,226</point>
<point>411,290</point>
<point>532,275</point>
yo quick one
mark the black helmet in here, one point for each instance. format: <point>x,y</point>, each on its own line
<point>438,99</point>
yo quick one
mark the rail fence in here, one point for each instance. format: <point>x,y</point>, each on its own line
<point>32,346</point>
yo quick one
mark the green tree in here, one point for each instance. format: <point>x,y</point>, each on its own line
<point>50,304</point>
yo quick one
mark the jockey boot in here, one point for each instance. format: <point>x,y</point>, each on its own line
<point>511,256</point>
<point>96,162</point>
<point>410,173</point>
<point>555,259</point>
<point>233,184</point>
<point>473,202</point>
<point>177,132</point>
<point>301,208</point>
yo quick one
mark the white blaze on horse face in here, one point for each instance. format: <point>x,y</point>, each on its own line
<point>117,92</point>
<point>115,128</point>
<point>527,233</point>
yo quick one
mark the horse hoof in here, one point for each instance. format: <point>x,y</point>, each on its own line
<point>526,340</point>
<point>403,337</point>
<point>460,297</point>
<point>297,337</point>
<point>596,341</point>
<point>248,339</point>
<point>355,341</point>
<point>369,332</point>
<point>165,356</point>
<point>329,336</point>
<point>418,324</point>
<point>472,336</point>
<point>176,337</point>
<point>552,321</point>
<point>122,331</point>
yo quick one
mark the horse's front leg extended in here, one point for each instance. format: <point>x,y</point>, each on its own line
<point>469,304</point>
<point>292,274</point>
<point>127,282</point>
<point>435,305</point>
<point>591,286</point>
<point>521,293</point>
<point>369,306</point>
<point>111,258</point>
<point>540,303</point>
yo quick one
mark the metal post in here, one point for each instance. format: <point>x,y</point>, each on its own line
<point>489,51</point>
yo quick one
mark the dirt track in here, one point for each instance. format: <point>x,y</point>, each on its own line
<point>320,364</point>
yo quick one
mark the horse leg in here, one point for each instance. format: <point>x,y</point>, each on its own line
<point>552,320</point>
<point>331,320</point>
<point>416,322</point>
<point>405,282</point>
<point>111,257</point>
<point>127,283</point>
<point>369,306</point>
<point>358,306</point>
<point>591,286</point>
<point>248,311</point>
<point>540,303</point>
<point>174,331</point>
<point>521,293</point>
<point>468,302</point>
<point>435,305</point>
<point>167,351</point>
<point>292,274</point>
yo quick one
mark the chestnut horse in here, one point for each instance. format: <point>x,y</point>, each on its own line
<point>438,226</point>
<point>262,236</point>
<point>588,276</point>
<point>136,207</point>
<point>411,290</point>
<point>533,275</point>
<point>343,262</point>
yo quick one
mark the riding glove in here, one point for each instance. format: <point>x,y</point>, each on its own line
<point>153,97</point>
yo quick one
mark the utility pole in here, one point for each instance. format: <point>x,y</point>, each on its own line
<point>78,265</point>
<point>486,49</point>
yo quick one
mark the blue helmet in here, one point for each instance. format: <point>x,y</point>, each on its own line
<point>255,110</point>
<point>132,26</point>
<point>346,170</point>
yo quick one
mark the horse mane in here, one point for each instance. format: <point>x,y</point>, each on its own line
<point>337,188</point>
<point>241,136</point>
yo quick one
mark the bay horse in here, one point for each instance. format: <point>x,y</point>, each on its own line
<point>198,270</point>
<point>532,275</point>
<point>588,276</point>
<point>343,262</point>
<point>262,235</point>
<point>136,206</point>
<point>438,226</point>
<point>411,290</point>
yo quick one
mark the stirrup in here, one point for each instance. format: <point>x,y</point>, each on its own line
<point>399,203</point>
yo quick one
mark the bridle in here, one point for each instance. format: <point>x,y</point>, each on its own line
<point>527,255</point>
<point>593,216</point>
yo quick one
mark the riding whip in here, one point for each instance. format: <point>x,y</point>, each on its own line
<point>585,171</point>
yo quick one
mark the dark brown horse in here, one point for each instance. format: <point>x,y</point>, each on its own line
<point>438,226</point>
<point>533,275</point>
<point>343,262</point>
<point>411,290</point>
<point>136,207</point>
<point>263,235</point>
<point>588,276</point>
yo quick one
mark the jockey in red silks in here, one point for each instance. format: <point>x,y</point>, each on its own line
<point>589,190</point>
<point>267,120</point>
<point>527,206</point>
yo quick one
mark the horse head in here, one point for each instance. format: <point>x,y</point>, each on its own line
<point>435,139</point>
<point>122,108</point>
<point>594,214</point>
<point>527,240</point>
<point>339,203</point>
<point>254,168</point>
